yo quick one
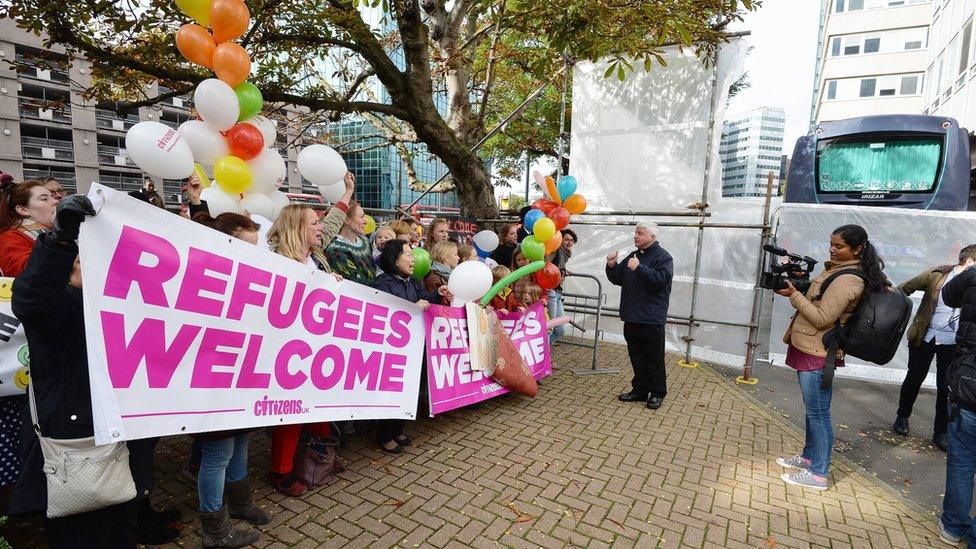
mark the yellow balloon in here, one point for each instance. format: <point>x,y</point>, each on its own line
<point>232,174</point>
<point>204,180</point>
<point>544,229</point>
<point>370,224</point>
<point>198,10</point>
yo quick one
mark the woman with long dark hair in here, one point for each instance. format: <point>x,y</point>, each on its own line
<point>26,211</point>
<point>816,314</point>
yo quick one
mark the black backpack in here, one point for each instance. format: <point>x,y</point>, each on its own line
<point>874,330</point>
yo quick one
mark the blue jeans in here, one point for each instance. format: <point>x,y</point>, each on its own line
<point>555,308</point>
<point>960,467</point>
<point>223,460</point>
<point>820,432</point>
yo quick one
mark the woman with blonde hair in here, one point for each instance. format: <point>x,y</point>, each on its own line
<point>438,231</point>
<point>443,259</point>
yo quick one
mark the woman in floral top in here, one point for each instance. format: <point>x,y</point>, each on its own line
<point>350,253</point>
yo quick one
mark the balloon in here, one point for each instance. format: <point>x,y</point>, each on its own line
<point>558,321</point>
<point>543,229</point>
<point>560,216</point>
<point>217,104</point>
<point>204,180</point>
<point>321,165</point>
<point>532,249</point>
<point>332,193</point>
<point>566,186</point>
<point>256,203</point>
<point>421,263</point>
<point>250,99</point>
<point>486,240</point>
<point>229,19</point>
<point>553,243</point>
<point>159,150</point>
<point>218,201</point>
<point>548,277</point>
<point>370,225</point>
<point>245,141</point>
<point>196,44</point>
<point>279,201</point>
<point>469,281</point>
<point>232,174</point>
<point>544,205</point>
<point>268,171</point>
<point>551,190</point>
<point>481,253</point>
<point>508,280</point>
<point>198,10</point>
<point>231,63</point>
<point>576,204</point>
<point>268,127</point>
<point>207,144</point>
<point>530,218</point>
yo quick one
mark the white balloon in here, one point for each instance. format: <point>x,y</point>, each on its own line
<point>279,201</point>
<point>218,201</point>
<point>217,104</point>
<point>486,240</point>
<point>268,171</point>
<point>332,193</point>
<point>321,165</point>
<point>159,150</point>
<point>469,280</point>
<point>268,127</point>
<point>264,227</point>
<point>207,144</point>
<point>256,203</point>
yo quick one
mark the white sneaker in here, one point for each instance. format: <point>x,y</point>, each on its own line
<point>796,462</point>
<point>947,536</point>
<point>805,479</point>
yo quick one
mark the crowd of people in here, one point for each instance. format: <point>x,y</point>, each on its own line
<point>39,227</point>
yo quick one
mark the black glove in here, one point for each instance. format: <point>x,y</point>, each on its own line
<point>71,212</point>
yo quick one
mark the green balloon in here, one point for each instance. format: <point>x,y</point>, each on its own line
<point>524,270</point>
<point>250,99</point>
<point>532,249</point>
<point>421,263</point>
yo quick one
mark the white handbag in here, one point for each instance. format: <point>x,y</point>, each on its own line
<point>80,476</point>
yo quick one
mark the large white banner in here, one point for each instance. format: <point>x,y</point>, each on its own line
<point>190,330</point>
<point>14,356</point>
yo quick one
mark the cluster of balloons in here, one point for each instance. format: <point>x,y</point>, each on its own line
<point>229,140</point>
<point>550,215</point>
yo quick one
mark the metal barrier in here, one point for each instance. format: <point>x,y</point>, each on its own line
<point>582,304</point>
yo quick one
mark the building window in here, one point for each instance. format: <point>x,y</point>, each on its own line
<point>831,90</point>
<point>852,45</point>
<point>872,45</point>
<point>967,35</point>
<point>835,47</point>
<point>839,6</point>
<point>867,87</point>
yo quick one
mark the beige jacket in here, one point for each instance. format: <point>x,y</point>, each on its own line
<point>815,318</point>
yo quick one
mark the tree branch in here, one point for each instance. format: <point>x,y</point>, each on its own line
<point>354,87</point>
<point>490,71</point>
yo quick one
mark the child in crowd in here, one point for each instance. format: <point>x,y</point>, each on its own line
<point>467,253</point>
<point>397,279</point>
<point>531,294</point>
<point>499,301</point>
<point>402,229</point>
<point>383,235</point>
<point>444,258</point>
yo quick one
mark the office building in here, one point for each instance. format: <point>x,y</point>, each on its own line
<point>950,90</point>
<point>751,148</point>
<point>872,58</point>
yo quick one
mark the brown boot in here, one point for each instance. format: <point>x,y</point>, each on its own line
<point>217,531</point>
<point>240,504</point>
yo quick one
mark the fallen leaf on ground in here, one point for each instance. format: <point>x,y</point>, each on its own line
<point>394,502</point>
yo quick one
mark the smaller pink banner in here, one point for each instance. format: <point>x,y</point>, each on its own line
<point>451,383</point>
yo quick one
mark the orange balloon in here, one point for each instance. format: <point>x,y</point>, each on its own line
<point>231,63</point>
<point>229,19</point>
<point>551,188</point>
<point>575,204</point>
<point>554,243</point>
<point>196,44</point>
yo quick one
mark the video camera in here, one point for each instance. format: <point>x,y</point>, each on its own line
<point>775,277</point>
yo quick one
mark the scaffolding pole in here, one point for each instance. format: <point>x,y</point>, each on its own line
<point>752,343</point>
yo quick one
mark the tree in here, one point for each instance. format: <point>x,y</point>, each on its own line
<point>482,54</point>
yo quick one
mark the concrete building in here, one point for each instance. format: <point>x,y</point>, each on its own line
<point>47,129</point>
<point>950,89</point>
<point>752,146</point>
<point>872,58</point>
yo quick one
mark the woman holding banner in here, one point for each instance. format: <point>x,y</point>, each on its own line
<point>397,263</point>
<point>298,234</point>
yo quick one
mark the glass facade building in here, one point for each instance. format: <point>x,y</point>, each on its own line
<point>752,146</point>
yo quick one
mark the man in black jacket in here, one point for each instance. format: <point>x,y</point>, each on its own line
<point>956,523</point>
<point>645,280</point>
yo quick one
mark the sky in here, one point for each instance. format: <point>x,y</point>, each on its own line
<point>781,64</point>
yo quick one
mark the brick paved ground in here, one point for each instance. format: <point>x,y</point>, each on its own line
<point>574,467</point>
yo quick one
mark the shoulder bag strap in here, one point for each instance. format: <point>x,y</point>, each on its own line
<point>830,362</point>
<point>831,278</point>
<point>33,409</point>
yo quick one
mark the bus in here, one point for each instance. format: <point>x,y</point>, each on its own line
<point>899,161</point>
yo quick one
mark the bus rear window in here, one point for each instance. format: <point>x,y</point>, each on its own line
<point>881,164</point>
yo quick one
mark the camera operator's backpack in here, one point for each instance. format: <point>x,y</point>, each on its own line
<point>874,330</point>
